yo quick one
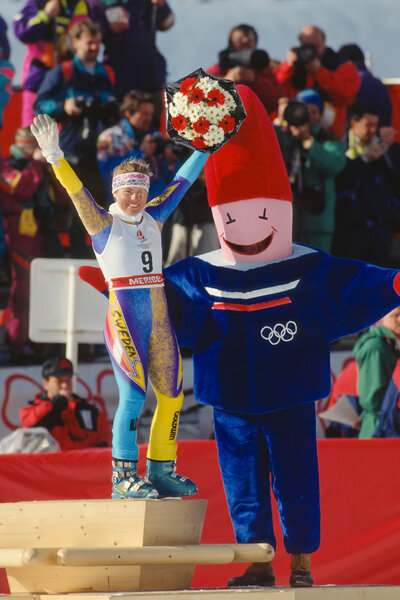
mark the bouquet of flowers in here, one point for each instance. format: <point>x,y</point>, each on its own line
<point>203,111</point>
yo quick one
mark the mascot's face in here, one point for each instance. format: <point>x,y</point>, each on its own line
<point>256,230</point>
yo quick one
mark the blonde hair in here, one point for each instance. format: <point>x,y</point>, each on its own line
<point>132,165</point>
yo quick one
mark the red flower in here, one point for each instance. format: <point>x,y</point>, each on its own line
<point>215,97</point>
<point>227,124</point>
<point>187,85</point>
<point>199,142</point>
<point>201,125</point>
<point>179,123</point>
<point>196,95</point>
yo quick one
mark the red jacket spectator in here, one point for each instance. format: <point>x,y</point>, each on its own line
<point>337,82</point>
<point>71,420</point>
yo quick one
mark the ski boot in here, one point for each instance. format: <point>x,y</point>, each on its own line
<point>127,484</point>
<point>300,567</point>
<point>161,474</point>
<point>256,575</point>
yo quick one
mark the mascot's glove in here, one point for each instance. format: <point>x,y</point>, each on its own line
<point>45,131</point>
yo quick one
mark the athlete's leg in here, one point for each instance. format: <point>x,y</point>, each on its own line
<point>126,335</point>
<point>165,374</point>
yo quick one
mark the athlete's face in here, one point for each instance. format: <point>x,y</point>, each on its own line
<point>256,230</point>
<point>131,200</point>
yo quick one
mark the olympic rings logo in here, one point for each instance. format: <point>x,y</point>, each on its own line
<point>279,332</point>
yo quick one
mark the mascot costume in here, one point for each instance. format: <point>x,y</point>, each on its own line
<point>260,314</point>
<point>127,243</point>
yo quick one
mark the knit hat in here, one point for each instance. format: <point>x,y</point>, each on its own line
<point>250,165</point>
<point>25,139</point>
<point>310,96</point>
<point>57,367</point>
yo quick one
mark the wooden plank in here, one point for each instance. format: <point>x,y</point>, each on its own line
<point>149,555</point>
<point>331,592</point>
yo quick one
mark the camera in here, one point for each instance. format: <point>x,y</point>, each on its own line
<point>84,103</point>
<point>306,53</point>
<point>296,113</point>
<point>252,58</point>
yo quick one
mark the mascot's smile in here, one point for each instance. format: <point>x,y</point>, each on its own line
<point>250,249</point>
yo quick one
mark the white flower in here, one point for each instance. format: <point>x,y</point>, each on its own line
<point>179,98</point>
<point>195,111</point>
<point>212,114</point>
<point>229,101</point>
<point>173,110</point>
<point>189,134</point>
<point>214,135</point>
<point>206,84</point>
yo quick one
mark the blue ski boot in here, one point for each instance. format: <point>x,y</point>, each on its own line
<point>127,484</point>
<point>161,474</point>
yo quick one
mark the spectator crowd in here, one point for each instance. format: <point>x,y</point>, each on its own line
<point>331,115</point>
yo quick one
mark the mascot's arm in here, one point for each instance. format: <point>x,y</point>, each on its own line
<point>161,207</point>
<point>94,218</point>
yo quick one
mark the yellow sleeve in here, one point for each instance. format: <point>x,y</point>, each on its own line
<point>67,177</point>
<point>93,217</point>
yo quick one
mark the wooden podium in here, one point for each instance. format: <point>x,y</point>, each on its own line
<point>26,527</point>
<point>84,546</point>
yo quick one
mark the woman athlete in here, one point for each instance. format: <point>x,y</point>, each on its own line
<point>138,331</point>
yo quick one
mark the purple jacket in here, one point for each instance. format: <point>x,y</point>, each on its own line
<point>41,35</point>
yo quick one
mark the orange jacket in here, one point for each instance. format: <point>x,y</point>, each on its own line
<point>340,85</point>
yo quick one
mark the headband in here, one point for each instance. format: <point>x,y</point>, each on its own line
<point>130,180</point>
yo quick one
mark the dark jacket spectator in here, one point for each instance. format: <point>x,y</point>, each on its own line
<point>261,80</point>
<point>368,188</point>
<point>372,91</point>
<point>71,420</point>
<point>4,44</point>
<point>80,95</point>
<point>336,81</point>
<point>129,30</point>
<point>389,416</point>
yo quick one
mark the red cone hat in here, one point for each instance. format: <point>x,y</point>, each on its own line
<point>250,165</point>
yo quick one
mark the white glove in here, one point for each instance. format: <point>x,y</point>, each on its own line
<point>45,131</point>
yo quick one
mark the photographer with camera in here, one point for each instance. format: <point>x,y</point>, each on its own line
<point>314,65</point>
<point>313,157</point>
<point>79,94</point>
<point>242,62</point>
<point>134,136</point>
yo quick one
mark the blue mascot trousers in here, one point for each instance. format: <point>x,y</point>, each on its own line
<point>278,449</point>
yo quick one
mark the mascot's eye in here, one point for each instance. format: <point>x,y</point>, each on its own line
<point>264,216</point>
<point>230,220</point>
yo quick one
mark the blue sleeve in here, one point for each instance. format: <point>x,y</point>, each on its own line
<point>358,295</point>
<point>161,207</point>
<point>187,314</point>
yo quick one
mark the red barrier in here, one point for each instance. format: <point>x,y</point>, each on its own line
<point>360,502</point>
<point>11,121</point>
